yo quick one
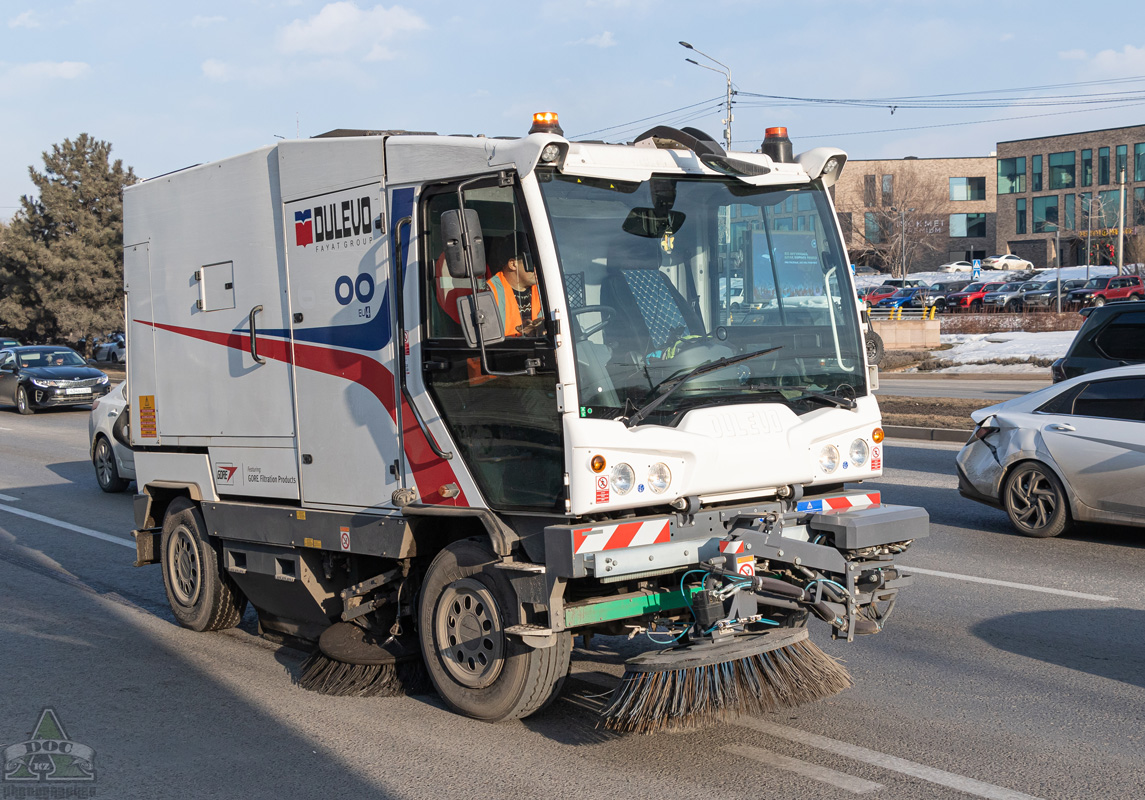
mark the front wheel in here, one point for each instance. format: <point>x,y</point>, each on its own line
<point>22,404</point>
<point>202,597</point>
<point>976,307</point>
<point>106,471</point>
<point>1035,501</point>
<point>477,668</point>
<point>1098,301</point>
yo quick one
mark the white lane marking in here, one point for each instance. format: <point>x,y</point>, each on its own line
<point>813,771</point>
<point>67,526</point>
<point>9,499</point>
<point>1100,598</point>
<point>893,763</point>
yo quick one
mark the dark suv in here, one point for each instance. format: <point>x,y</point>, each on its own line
<point>1112,335</point>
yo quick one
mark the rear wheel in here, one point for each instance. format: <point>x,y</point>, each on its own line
<point>476,668</point>
<point>202,597</point>
<point>106,471</point>
<point>22,404</point>
<point>1035,501</point>
<point>1134,297</point>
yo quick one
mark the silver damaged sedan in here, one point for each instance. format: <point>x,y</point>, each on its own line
<point>1074,451</point>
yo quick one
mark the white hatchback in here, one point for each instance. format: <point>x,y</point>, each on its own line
<point>1074,451</point>
<point>109,432</point>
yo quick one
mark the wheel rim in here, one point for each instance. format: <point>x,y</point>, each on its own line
<point>21,399</point>
<point>468,634</point>
<point>183,567</point>
<point>872,351</point>
<point>1032,499</point>
<point>104,463</point>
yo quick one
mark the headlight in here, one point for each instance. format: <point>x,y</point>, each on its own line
<point>103,379</point>
<point>859,452</point>
<point>622,478</point>
<point>829,458</point>
<point>44,383</point>
<point>659,477</point>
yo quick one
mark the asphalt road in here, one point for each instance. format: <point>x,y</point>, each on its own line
<point>971,386</point>
<point>1013,668</point>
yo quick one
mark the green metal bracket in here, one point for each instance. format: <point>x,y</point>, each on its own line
<point>636,604</point>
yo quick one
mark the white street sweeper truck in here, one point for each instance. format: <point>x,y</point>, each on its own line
<point>434,405</point>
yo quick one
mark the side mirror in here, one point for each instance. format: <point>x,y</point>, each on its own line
<point>488,318</point>
<point>463,254</point>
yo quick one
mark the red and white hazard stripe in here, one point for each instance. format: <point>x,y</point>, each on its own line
<point>732,547</point>
<point>853,501</point>
<point>615,537</point>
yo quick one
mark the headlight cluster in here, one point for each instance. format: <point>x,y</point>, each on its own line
<point>44,383</point>
<point>623,476</point>
<point>103,379</point>
<point>859,452</point>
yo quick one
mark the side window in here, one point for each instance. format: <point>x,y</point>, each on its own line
<point>7,360</point>
<point>509,270</point>
<point>1123,339</point>
<point>1114,399</point>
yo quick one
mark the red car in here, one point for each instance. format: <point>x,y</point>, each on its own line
<point>873,296</point>
<point>1100,291</point>
<point>971,297</point>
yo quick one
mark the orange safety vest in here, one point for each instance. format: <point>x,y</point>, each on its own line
<point>511,312</point>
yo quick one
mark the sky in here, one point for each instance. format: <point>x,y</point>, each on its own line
<point>171,84</point>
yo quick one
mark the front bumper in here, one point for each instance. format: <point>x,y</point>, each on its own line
<point>52,397</point>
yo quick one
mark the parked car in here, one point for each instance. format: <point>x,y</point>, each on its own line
<point>1100,291</point>
<point>902,282</point>
<point>1111,336</point>
<point>113,349</point>
<point>971,297</point>
<point>1008,297</point>
<point>1072,452</point>
<point>957,266</point>
<point>860,269</point>
<point>879,293</point>
<point>43,376</point>
<point>900,298</point>
<point>6,342</point>
<point>110,436</point>
<point>936,294</point>
<point>1046,295</point>
<point>1006,261</point>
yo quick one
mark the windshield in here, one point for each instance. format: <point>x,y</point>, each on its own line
<point>904,293</point>
<point>51,358</point>
<point>974,287</point>
<point>1097,283</point>
<point>1010,287</point>
<point>666,275</point>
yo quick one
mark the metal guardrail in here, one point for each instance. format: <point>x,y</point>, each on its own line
<point>902,313</point>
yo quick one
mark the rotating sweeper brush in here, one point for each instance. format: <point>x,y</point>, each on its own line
<point>352,662</point>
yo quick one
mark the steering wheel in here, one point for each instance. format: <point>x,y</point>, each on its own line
<point>606,314</point>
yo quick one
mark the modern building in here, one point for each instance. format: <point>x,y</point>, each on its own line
<point>1067,188</point>
<point>917,212</point>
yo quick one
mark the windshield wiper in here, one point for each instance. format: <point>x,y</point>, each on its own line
<point>812,394</point>
<point>676,383</point>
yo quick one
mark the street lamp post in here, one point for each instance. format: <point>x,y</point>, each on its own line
<point>727,73</point>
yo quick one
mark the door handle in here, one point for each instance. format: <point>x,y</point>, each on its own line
<point>1060,426</point>
<point>253,341</point>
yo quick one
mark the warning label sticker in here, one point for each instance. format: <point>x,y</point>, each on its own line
<point>148,424</point>
<point>745,565</point>
<point>344,538</point>
<point>602,489</point>
<point>876,457</point>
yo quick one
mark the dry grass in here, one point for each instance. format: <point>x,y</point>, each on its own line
<point>929,412</point>
<point>1030,322</point>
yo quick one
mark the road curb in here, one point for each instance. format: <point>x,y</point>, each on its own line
<point>926,434</point>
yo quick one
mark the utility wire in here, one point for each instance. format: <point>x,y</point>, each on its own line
<point>646,119</point>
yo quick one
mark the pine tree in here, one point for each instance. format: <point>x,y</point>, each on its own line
<point>61,258</point>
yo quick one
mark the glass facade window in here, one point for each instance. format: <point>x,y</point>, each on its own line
<point>870,189</point>
<point>1139,162</point>
<point>1036,174</point>
<point>967,189</point>
<point>1103,166</point>
<point>888,190</point>
<point>1106,210</point>
<point>1011,175</point>
<point>1046,214</point>
<point>1068,220</point>
<point>1122,162</point>
<point>1086,211</point>
<point>871,228</point>
<point>1087,168</point>
<point>1020,215</point>
<point>967,226</point>
<point>1139,205</point>
<point>1061,170</point>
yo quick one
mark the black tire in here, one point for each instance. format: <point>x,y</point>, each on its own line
<point>1098,301</point>
<point>976,307</point>
<point>22,404</point>
<point>202,597</point>
<point>498,677</point>
<point>874,347</point>
<point>1035,501</point>
<point>106,470</point>
<point>114,358</point>
<point>1134,297</point>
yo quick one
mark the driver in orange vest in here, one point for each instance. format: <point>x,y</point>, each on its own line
<point>515,286</point>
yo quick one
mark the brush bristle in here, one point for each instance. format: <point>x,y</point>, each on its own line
<point>324,675</point>
<point>696,697</point>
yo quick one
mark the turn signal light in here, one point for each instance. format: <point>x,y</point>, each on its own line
<point>878,435</point>
<point>598,464</point>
